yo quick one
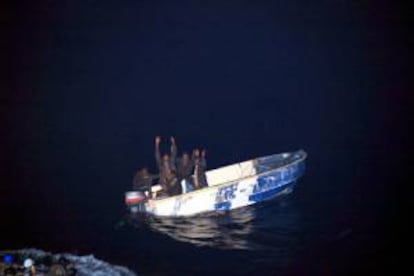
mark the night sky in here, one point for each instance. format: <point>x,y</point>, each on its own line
<point>86,85</point>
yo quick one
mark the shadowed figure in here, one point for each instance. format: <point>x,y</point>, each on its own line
<point>167,168</point>
<point>200,165</point>
<point>143,180</point>
<point>185,167</point>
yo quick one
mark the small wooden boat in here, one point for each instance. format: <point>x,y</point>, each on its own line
<point>229,187</point>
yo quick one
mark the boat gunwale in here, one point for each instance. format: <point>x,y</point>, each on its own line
<point>233,181</point>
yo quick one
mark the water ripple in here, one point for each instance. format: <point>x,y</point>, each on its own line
<point>272,226</point>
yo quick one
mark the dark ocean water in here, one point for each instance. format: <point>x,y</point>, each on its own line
<point>331,224</point>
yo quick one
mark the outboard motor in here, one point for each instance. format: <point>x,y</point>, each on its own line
<point>135,200</point>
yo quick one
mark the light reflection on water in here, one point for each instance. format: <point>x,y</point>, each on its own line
<point>271,226</point>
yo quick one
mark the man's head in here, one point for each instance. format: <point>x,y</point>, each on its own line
<point>165,158</point>
<point>185,158</point>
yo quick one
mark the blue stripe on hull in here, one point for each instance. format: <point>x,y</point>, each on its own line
<point>270,193</point>
<point>267,186</point>
<point>222,206</point>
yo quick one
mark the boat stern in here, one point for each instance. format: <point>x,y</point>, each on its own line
<point>135,201</point>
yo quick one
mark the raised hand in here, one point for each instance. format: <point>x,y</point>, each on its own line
<point>157,140</point>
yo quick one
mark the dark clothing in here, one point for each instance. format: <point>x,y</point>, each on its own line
<point>174,187</point>
<point>185,170</point>
<point>142,181</point>
<point>200,178</point>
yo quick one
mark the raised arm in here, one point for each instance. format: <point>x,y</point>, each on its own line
<point>173,149</point>
<point>173,155</point>
<point>203,162</point>
<point>157,150</point>
<point>196,156</point>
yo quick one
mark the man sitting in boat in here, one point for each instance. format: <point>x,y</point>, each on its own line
<point>142,181</point>
<point>200,165</point>
<point>167,168</point>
